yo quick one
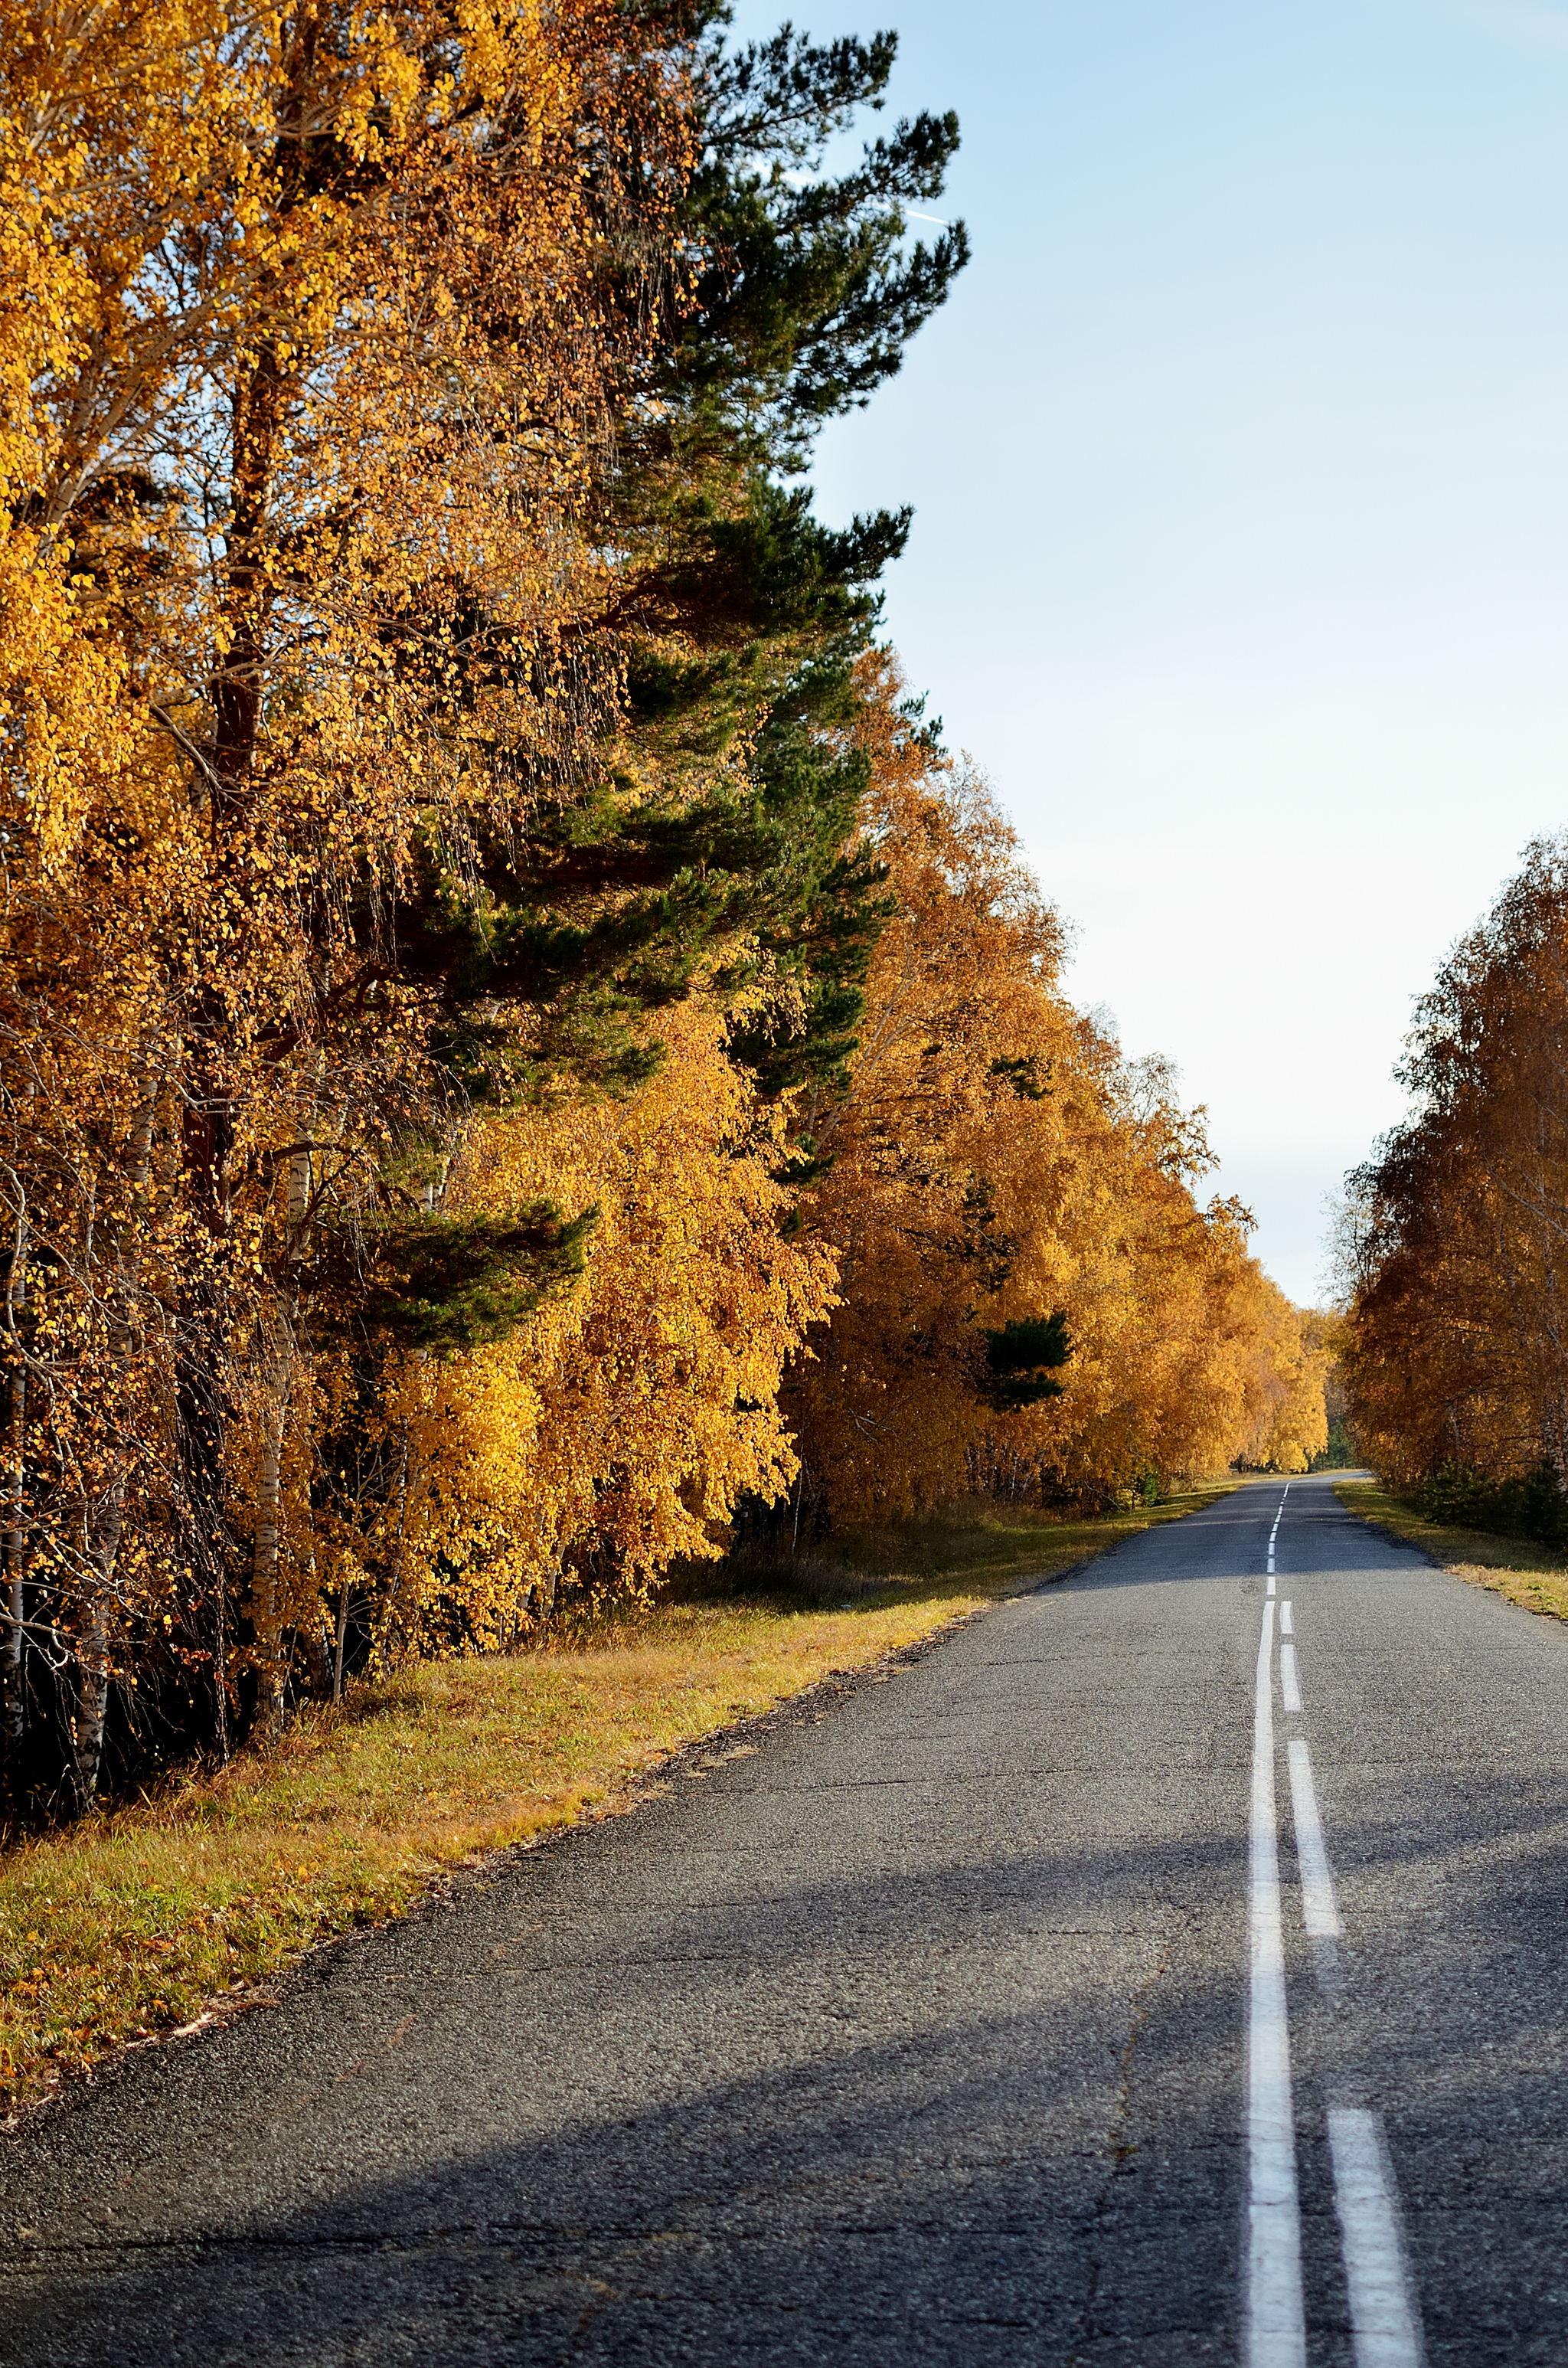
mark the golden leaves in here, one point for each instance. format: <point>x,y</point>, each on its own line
<point>620,1429</point>
<point>304,362</point>
<point>996,1159</point>
<point>1452,1344</point>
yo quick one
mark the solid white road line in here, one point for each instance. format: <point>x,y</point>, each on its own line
<point>1271,1584</point>
<point>1383,2321</point>
<point>1275,2330</point>
<point>1290,1680</point>
<point>1320,1910</point>
<point>1287,1625</point>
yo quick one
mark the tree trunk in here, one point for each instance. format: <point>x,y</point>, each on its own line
<point>13,1567</point>
<point>341,1640</point>
<point>105,1520</point>
<point>266,1595</point>
<point>267,1589</point>
<point>398,1616</point>
<point>94,1664</point>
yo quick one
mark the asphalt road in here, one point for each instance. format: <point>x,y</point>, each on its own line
<point>925,2031</point>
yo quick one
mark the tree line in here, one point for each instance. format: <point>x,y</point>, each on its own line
<point>518,1047</point>
<point>1453,1343</point>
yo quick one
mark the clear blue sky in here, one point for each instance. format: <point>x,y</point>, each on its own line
<point>1240,467</point>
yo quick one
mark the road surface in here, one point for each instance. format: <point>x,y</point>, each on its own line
<point>972,2018</point>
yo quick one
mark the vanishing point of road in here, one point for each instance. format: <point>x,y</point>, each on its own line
<point>1171,1965</point>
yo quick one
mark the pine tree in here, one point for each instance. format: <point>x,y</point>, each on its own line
<point>706,830</point>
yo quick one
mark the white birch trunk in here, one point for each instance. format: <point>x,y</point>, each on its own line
<point>104,1525</point>
<point>277,1386</point>
<point>95,1645</point>
<point>13,1539</point>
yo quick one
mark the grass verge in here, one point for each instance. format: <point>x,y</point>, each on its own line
<point>1530,1576</point>
<point>159,1916</point>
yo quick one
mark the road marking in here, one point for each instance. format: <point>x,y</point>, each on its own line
<point>1290,1680</point>
<point>1276,2329</point>
<point>1383,2321</point>
<point>1320,1910</point>
<point>1271,1583</point>
<point>1287,1625</point>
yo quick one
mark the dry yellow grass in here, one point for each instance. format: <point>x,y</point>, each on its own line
<point>1532,1576</point>
<point>143,1920</point>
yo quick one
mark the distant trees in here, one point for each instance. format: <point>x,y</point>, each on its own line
<point>1456,1346</point>
<point>996,1167</point>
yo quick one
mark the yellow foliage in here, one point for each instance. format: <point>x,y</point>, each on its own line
<point>994,1160</point>
<point>304,352</point>
<point>1452,1343</point>
<point>617,1429</point>
<point>313,691</point>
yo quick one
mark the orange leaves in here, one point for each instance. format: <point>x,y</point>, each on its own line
<point>620,1429</point>
<point>341,818</point>
<point>996,1160</point>
<point>307,356</point>
<point>1452,1345</point>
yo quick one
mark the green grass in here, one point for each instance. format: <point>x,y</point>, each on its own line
<point>992,1544</point>
<point>154,1918</point>
<point>1535,1578</point>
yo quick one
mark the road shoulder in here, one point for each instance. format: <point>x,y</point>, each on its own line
<point>1533,1577</point>
<point>161,1920</point>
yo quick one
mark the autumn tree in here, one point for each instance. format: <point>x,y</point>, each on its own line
<point>1454,1339</point>
<point>997,1176</point>
<point>515,1040</point>
<point>419,679</point>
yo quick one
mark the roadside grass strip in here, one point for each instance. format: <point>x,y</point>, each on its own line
<point>179,1910</point>
<point>1535,1578</point>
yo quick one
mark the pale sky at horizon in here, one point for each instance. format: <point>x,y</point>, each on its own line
<point>1239,460</point>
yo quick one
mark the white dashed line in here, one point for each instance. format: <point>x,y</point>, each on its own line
<point>1320,1910</point>
<point>1276,2329</point>
<point>1383,2322</point>
<point>1386,2327</point>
